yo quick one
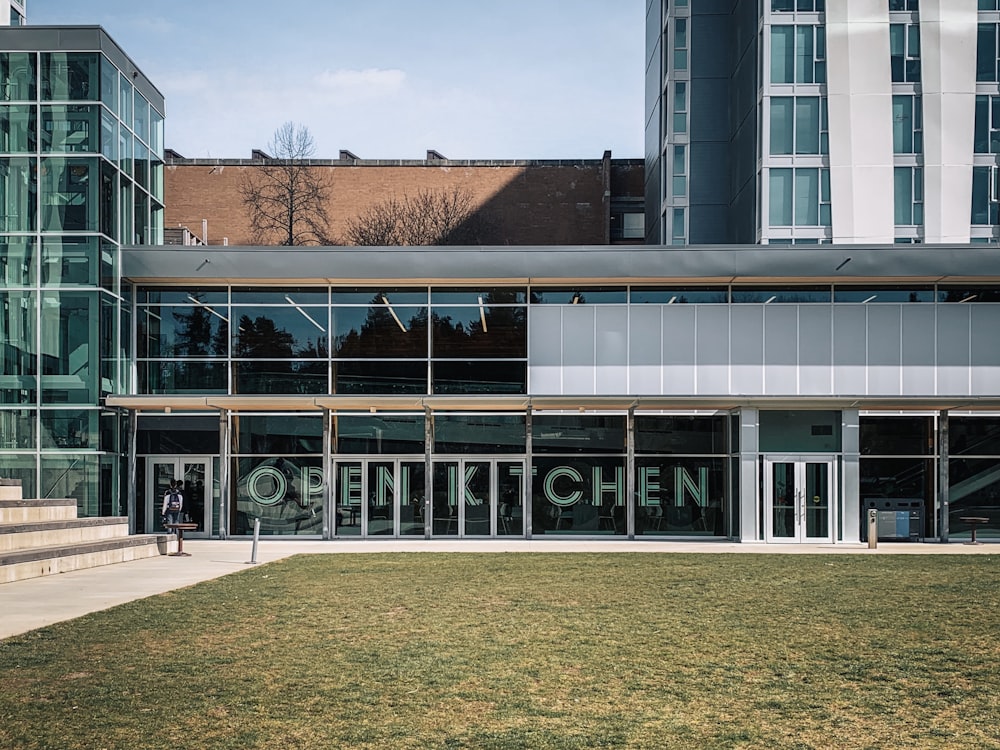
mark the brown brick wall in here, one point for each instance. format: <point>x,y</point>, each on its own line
<point>529,203</point>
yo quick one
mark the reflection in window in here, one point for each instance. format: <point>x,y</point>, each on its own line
<point>479,376</point>
<point>681,496</point>
<point>291,377</point>
<point>779,295</point>
<point>680,295</point>
<point>578,495</point>
<point>71,76</point>
<point>875,294</point>
<point>395,376</point>
<point>479,433</point>
<point>904,51</point>
<point>578,295</point>
<point>463,332</point>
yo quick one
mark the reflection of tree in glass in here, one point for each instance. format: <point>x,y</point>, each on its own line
<point>505,334</point>
<point>381,334</point>
<point>195,336</point>
<point>260,338</point>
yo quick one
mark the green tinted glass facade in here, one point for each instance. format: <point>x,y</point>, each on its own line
<point>66,118</point>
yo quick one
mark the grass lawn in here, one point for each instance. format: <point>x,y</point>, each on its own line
<point>528,651</point>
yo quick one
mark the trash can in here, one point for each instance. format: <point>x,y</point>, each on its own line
<point>899,519</point>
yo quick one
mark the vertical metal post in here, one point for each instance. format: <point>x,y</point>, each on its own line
<point>256,538</point>
<point>133,427</point>
<point>527,478</point>
<point>630,496</point>
<point>428,471</point>
<point>329,512</point>
<point>223,472</point>
<point>943,478</point>
<point>872,528</point>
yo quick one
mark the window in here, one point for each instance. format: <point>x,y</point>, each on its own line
<point>987,132</point>
<point>989,4</point>
<point>984,195</point>
<point>799,125</point>
<point>798,54</point>
<point>907,126</point>
<point>986,53</point>
<point>799,197</point>
<point>909,4</point>
<point>678,232</point>
<point>679,186</point>
<point>909,195</point>
<point>680,44</point>
<point>904,51</point>
<point>680,107</point>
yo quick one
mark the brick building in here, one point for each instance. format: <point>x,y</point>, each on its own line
<point>536,202</point>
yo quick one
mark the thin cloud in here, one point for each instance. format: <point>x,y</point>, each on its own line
<point>154,24</point>
<point>370,82</point>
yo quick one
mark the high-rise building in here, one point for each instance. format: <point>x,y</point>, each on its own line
<point>12,12</point>
<point>81,174</point>
<point>806,121</point>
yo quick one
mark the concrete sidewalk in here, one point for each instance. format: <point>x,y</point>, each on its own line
<point>37,602</point>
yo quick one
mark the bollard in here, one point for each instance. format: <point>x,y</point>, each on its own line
<point>872,528</point>
<point>256,538</point>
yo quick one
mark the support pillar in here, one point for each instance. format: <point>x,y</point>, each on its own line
<point>428,472</point>
<point>944,480</point>
<point>224,464</point>
<point>528,476</point>
<point>133,475</point>
<point>329,512</point>
<point>630,495</point>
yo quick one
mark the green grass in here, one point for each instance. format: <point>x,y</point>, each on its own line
<point>528,650</point>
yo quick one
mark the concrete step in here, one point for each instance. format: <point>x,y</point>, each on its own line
<point>23,536</point>
<point>10,489</point>
<point>26,511</point>
<point>49,560</point>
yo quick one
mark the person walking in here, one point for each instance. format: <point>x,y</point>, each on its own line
<point>173,503</point>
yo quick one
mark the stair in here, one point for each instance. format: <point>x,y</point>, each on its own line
<point>44,537</point>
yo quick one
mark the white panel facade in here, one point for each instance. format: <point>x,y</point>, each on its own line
<point>859,94</point>
<point>948,89</point>
<point>880,349</point>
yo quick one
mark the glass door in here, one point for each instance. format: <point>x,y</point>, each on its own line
<point>379,498</point>
<point>799,498</point>
<point>478,498</point>
<point>195,476</point>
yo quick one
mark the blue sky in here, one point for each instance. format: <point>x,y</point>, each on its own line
<point>386,79</point>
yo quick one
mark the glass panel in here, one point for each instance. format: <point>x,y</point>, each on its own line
<point>109,85</point>
<point>782,134</point>
<point>680,295</point>
<point>477,498</point>
<point>269,434</point>
<point>806,197</point>
<point>70,261</point>
<point>681,496</point>
<point>17,262</point>
<point>17,129</point>
<point>783,500</point>
<point>194,491</point>
<point>18,348</point>
<point>73,476</point>
<point>974,492</point>
<point>69,190</point>
<point>807,125</point>
<point>482,376</point>
<point>276,333</point>
<point>140,119</point>
<point>873,294</point>
<point>21,467</point>
<point>817,500</point>
<point>349,498</point>
<point>71,128</point>
<point>782,54</point>
<point>381,498</point>
<point>379,434</point>
<point>71,76</point>
<point>578,434</point>
<point>17,76</point>
<point>680,434</point>
<point>482,434</point>
<point>69,336</point>
<point>974,436</point>
<point>156,133</point>
<point>895,436</point>
<point>182,331</point>
<point>781,295</point>
<point>141,165</point>
<point>578,295</point>
<point>510,501</point>
<point>578,495</point>
<point>476,296</point>
<point>18,195</point>
<point>70,428</point>
<point>389,376</point>
<point>17,432</point>
<point>903,192</point>
<point>284,492</point>
<point>177,435</point>
<point>804,54</point>
<point>780,214</point>
<point>125,101</point>
<point>496,332</point>
<point>411,494</point>
<point>800,431</point>
<point>289,376</point>
<point>446,492</point>
<point>383,331</point>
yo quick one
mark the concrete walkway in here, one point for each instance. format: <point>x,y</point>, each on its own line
<point>37,602</point>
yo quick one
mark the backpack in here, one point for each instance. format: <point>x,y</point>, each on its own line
<point>174,500</point>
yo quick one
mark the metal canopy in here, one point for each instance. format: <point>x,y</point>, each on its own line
<point>353,403</point>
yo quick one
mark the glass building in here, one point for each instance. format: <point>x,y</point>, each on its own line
<point>748,394</point>
<point>813,121</point>
<point>81,174</point>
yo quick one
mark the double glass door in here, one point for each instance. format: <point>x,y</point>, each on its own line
<point>194,473</point>
<point>799,498</point>
<point>386,498</point>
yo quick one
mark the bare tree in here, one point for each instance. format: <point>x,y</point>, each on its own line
<point>285,197</point>
<point>431,217</point>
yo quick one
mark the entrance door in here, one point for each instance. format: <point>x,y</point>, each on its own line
<point>799,494</point>
<point>379,497</point>
<point>195,475</point>
<point>478,497</point>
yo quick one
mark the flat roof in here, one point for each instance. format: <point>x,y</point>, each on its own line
<point>562,264</point>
